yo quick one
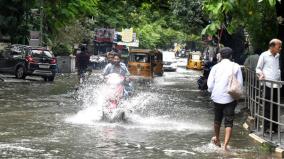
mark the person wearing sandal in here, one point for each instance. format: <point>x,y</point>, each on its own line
<point>224,103</point>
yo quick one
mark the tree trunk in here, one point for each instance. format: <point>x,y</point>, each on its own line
<point>236,42</point>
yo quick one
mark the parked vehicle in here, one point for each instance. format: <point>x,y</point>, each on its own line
<point>23,60</point>
<point>170,61</point>
<point>144,63</point>
<point>195,61</point>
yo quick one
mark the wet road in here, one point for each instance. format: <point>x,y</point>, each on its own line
<point>170,118</point>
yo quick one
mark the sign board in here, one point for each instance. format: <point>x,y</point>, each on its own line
<point>133,41</point>
<point>34,42</point>
<point>131,44</point>
<point>127,35</point>
<point>104,35</point>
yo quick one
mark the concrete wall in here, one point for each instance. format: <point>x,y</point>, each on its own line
<point>66,64</point>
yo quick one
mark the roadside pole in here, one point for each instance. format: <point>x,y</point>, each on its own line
<point>41,22</point>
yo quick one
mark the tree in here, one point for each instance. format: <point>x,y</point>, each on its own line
<point>189,14</point>
<point>13,19</point>
<point>254,16</point>
<point>157,23</point>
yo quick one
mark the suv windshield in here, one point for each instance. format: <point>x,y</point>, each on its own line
<point>42,53</point>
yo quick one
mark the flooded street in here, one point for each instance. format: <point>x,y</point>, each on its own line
<point>169,118</point>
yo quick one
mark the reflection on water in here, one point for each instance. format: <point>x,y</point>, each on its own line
<point>169,118</point>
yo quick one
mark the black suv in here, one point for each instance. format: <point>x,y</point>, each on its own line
<point>23,60</point>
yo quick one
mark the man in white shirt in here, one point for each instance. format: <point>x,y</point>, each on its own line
<point>224,104</point>
<point>268,69</point>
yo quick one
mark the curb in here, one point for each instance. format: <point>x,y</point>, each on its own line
<point>278,152</point>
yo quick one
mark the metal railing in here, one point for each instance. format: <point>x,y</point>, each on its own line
<point>264,104</point>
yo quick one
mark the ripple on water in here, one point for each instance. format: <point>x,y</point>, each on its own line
<point>18,147</point>
<point>210,148</point>
<point>181,152</point>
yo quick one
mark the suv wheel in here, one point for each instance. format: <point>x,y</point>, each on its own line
<point>44,78</point>
<point>20,72</point>
<point>48,78</point>
<point>51,78</point>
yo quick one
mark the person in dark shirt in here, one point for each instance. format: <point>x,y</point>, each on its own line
<point>82,60</point>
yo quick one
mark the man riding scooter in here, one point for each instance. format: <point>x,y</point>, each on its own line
<point>115,66</point>
<point>118,87</point>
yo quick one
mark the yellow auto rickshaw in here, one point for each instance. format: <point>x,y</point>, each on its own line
<point>195,61</point>
<point>144,63</point>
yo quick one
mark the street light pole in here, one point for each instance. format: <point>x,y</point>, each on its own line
<point>41,21</point>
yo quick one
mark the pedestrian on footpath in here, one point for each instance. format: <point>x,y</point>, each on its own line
<point>224,103</point>
<point>268,69</point>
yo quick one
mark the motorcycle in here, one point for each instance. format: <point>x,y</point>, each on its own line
<point>112,112</point>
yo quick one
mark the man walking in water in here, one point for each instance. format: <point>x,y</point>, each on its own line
<point>224,104</point>
<point>82,60</point>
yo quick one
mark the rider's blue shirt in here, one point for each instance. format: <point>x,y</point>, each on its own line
<point>111,68</point>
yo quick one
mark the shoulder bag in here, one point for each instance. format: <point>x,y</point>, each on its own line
<point>235,89</point>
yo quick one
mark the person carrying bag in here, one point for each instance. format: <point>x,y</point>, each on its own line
<point>225,84</point>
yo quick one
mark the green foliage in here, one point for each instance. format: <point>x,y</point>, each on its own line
<point>157,23</point>
<point>267,148</point>
<point>189,15</point>
<point>262,27</point>
<point>17,18</point>
<point>58,14</point>
<point>62,49</point>
<point>13,16</point>
<point>76,32</point>
<point>257,17</point>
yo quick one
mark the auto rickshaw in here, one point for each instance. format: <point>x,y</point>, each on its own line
<point>144,63</point>
<point>195,61</point>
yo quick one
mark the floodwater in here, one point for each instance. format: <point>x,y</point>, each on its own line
<point>168,118</point>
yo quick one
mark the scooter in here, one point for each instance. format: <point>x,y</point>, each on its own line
<point>112,112</point>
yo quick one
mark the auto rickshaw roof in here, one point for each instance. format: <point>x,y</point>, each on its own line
<point>196,53</point>
<point>146,51</point>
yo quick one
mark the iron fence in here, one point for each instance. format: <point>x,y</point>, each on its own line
<point>263,99</point>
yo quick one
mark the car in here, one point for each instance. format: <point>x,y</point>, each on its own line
<point>182,53</point>
<point>23,60</point>
<point>169,61</point>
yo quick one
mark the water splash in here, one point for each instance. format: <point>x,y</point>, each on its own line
<point>208,148</point>
<point>140,111</point>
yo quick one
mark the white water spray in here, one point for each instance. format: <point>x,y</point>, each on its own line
<point>93,98</point>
